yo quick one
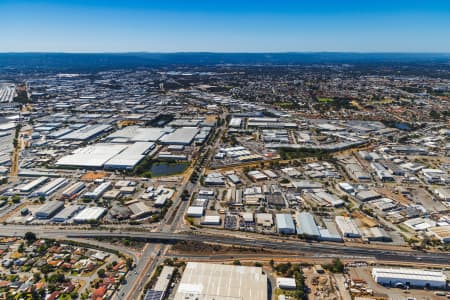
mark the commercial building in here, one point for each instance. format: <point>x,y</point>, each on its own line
<point>49,209</point>
<point>203,281</point>
<point>285,224</point>
<point>402,277</point>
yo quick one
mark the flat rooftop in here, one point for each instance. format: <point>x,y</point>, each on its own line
<point>204,281</point>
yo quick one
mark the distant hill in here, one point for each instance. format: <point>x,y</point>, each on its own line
<point>92,62</point>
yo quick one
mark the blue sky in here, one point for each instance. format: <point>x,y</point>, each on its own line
<point>224,26</point>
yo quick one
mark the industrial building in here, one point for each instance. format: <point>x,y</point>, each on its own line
<point>27,188</point>
<point>139,209</point>
<point>159,291</point>
<point>51,187</point>
<point>402,277</point>
<point>211,220</point>
<point>204,281</point>
<point>330,199</point>
<point>87,132</point>
<point>181,136</point>
<point>442,233</point>
<point>73,190</point>
<point>130,157</point>
<point>49,209</point>
<point>347,227</point>
<point>306,225</point>
<point>108,155</point>
<point>286,283</point>
<point>98,191</point>
<point>89,214</point>
<point>195,211</point>
<point>136,134</point>
<point>67,213</point>
<point>285,224</point>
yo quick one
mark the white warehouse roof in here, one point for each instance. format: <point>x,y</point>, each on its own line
<point>204,281</point>
<point>89,214</point>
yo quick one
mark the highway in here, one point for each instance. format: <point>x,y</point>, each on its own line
<point>282,245</point>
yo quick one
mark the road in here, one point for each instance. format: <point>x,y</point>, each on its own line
<point>281,245</point>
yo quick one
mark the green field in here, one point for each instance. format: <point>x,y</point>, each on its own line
<point>325,99</point>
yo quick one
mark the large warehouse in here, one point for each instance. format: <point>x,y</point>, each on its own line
<point>137,134</point>
<point>181,136</point>
<point>49,209</point>
<point>401,277</point>
<point>285,224</point>
<point>204,281</point>
<point>108,155</point>
<point>306,225</point>
<point>89,214</point>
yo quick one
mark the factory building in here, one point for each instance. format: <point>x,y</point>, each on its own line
<point>306,225</point>
<point>130,157</point>
<point>73,190</point>
<point>217,281</point>
<point>51,187</point>
<point>87,132</point>
<point>347,227</point>
<point>441,232</point>
<point>346,187</point>
<point>27,188</point>
<point>285,224</point>
<point>110,156</point>
<point>67,213</point>
<point>136,134</point>
<point>89,214</point>
<point>49,209</point>
<point>98,191</point>
<point>211,220</point>
<point>286,283</point>
<point>403,277</point>
<point>195,211</point>
<point>159,291</point>
<point>139,209</point>
<point>181,136</point>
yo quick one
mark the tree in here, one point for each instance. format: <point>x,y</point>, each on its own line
<point>237,262</point>
<point>129,262</point>
<point>30,237</point>
<point>101,273</point>
<point>336,266</point>
<point>15,199</point>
